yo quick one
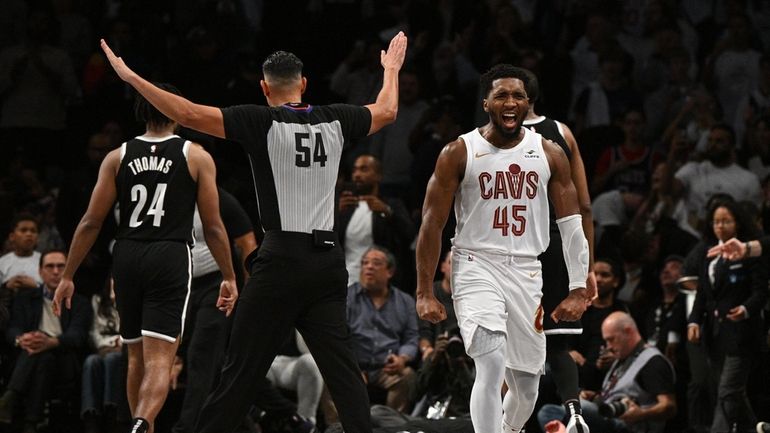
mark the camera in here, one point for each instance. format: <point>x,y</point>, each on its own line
<point>455,347</point>
<point>613,409</point>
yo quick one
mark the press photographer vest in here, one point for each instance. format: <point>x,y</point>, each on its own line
<point>626,386</point>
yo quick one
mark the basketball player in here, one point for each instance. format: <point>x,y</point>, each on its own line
<point>555,278</point>
<point>156,178</point>
<point>298,275</point>
<point>501,177</point>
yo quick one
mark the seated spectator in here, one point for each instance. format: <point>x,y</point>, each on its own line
<point>366,218</point>
<point>295,369</point>
<point>49,344</point>
<point>638,391</point>
<point>104,372</point>
<point>19,269</point>
<point>383,327</point>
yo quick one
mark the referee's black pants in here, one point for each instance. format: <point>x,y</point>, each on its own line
<point>292,283</point>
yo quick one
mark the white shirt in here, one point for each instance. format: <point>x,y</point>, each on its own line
<point>703,179</point>
<point>358,238</point>
<point>12,265</point>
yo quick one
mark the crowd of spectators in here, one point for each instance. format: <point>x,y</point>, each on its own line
<point>669,101</point>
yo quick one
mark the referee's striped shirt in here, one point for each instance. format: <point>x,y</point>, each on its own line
<point>294,151</point>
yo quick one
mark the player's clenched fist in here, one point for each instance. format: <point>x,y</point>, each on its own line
<point>430,309</point>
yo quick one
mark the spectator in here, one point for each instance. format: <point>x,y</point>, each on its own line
<point>754,104</point>
<point>49,345</point>
<point>660,327</point>
<point>294,369</point>
<point>638,390</point>
<point>20,268</point>
<point>104,372</point>
<point>391,144</point>
<point>719,173</point>
<point>610,96</point>
<point>588,348</point>
<point>627,166</point>
<point>366,218</point>
<point>37,82</point>
<point>383,327</point>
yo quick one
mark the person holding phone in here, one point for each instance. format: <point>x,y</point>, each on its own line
<point>365,218</point>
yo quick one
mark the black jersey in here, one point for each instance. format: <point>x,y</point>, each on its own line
<point>294,151</point>
<point>550,130</point>
<point>156,193</point>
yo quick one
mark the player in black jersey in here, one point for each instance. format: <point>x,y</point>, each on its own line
<point>555,280</point>
<point>298,275</point>
<point>156,178</point>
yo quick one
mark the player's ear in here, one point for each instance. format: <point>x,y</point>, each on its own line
<point>485,106</point>
<point>265,87</point>
<point>304,85</point>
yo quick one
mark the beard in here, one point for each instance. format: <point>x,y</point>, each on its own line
<point>508,135</point>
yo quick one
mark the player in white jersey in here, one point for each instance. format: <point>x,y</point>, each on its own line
<point>500,177</point>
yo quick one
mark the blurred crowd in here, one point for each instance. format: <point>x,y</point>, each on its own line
<point>669,101</point>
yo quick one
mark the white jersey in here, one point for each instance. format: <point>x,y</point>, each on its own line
<point>502,203</point>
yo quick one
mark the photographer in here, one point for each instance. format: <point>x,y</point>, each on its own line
<point>445,379</point>
<point>638,391</point>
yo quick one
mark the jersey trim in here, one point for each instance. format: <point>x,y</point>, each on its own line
<point>122,151</point>
<point>186,149</point>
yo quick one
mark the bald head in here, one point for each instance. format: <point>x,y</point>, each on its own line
<point>620,334</point>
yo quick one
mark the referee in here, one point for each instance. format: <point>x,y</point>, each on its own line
<point>298,275</point>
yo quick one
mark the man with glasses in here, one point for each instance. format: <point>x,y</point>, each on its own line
<point>48,344</point>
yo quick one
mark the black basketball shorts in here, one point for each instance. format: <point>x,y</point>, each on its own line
<point>555,288</point>
<point>152,286</point>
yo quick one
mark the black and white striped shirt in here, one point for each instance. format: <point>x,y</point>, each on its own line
<point>295,151</point>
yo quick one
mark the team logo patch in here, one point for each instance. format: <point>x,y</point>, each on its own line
<point>514,169</point>
<point>539,319</point>
<point>152,148</point>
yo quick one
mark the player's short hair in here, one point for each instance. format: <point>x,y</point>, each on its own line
<point>147,113</point>
<point>502,70</point>
<point>282,67</point>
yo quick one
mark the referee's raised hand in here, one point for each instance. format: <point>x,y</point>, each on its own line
<point>120,67</point>
<point>394,56</point>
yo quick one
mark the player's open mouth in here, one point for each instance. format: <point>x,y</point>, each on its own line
<point>509,119</point>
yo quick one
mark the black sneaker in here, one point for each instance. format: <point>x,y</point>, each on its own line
<point>763,427</point>
<point>139,425</point>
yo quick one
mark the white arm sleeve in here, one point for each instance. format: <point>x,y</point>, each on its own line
<point>575,248</point>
